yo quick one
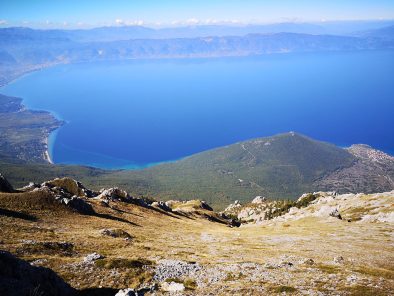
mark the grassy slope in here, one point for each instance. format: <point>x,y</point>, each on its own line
<point>366,247</point>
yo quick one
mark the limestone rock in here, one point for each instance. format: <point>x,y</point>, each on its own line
<point>259,200</point>
<point>92,257</point>
<point>113,194</point>
<point>76,203</point>
<point>339,260</point>
<point>172,287</point>
<point>307,261</point>
<point>30,187</point>
<point>232,206</point>
<point>71,186</point>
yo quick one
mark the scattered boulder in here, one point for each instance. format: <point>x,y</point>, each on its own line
<point>5,186</point>
<point>115,233</point>
<point>339,260</point>
<point>307,261</point>
<point>172,287</point>
<point>259,200</point>
<point>171,269</point>
<point>92,257</point>
<point>18,277</point>
<point>29,187</point>
<point>352,278</point>
<point>286,264</point>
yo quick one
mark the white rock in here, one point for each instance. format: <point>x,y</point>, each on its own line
<point>380,217</point>
<point>92,257</point>
<point>259,200</point>
<point>339,260</point>
<point>126,292</point>
<point>172,287</point>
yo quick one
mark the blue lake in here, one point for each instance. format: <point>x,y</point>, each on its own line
<point>134,113</point>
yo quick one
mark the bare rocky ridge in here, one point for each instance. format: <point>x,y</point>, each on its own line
<point>349,207</point>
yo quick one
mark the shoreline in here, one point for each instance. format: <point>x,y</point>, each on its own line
<point>46,141</point>
<point>48,155</point>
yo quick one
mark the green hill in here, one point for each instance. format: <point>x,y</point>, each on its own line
<point>281,167</point>
<point>278,167</point>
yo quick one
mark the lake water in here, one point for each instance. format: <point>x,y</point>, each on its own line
<point>134,113</point>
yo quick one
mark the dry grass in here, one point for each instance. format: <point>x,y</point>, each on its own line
<point>157,235</point>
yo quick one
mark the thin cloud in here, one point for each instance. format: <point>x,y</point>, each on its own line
<point>121,22</point>
<point>3,22</point>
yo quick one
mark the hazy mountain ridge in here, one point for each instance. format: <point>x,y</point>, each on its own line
<point>23,49</point>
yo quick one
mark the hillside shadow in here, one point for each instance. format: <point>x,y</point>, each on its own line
<point>97,292</point>
<point>113,218</point>
<point>19,215</point>
<point>125,212</point>
<point>163,212</point>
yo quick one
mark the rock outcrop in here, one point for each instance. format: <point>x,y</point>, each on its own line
<point>71,186</point>
<point>115,233</point>
<point>325,205</point>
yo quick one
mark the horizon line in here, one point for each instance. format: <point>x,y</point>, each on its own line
<point>180,24</point>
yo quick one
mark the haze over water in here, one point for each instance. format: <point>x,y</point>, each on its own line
<point>127,114</point>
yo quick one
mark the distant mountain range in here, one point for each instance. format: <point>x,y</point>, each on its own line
<point>23,50</point>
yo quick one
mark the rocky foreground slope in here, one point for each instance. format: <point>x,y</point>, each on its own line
<point>108,242</point>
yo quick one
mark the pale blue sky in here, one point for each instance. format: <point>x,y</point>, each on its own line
<point>72,13</point>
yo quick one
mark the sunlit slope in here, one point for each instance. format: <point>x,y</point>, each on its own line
<point>281,166</point>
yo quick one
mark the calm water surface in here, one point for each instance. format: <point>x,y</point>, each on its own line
<point>128,114</point>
